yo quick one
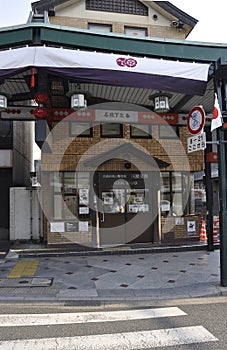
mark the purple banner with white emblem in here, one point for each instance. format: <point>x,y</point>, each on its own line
<point>111,69</point>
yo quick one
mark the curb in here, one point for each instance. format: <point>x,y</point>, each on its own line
<point>29,253</point>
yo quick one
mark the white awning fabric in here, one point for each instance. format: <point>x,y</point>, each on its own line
<point>111,69</point>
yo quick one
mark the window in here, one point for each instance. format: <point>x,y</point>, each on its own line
<point>71,195</point>
<point>140,131</point>
<point>111,130</point>
<point>168,132</point>
<point>102,28</point>
<point>176,194</point>
<point>80,129</point>
<point>135,31</point>
<point>132,7</point>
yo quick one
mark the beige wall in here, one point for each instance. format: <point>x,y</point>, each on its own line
<point>73,153</point>
<point>75,15</point>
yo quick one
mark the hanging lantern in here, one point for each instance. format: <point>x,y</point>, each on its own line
<point>41,98</point>
<point>161,102</point>
<point>41,113</point>
<point>3,102</point>
<point>78,101</point>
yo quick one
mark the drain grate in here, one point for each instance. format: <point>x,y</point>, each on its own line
<point>26,282</point>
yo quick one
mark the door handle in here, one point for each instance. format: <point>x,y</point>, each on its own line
<point>102,217</point>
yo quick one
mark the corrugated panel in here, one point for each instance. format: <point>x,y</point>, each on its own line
<point>20,84</point>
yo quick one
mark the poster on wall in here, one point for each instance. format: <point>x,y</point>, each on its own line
<point>133,208</point>
<point>191,228</point>
<point>144,208</point>
<point>71,226</point>
<point>83,226</point>
<point>84,196</point>
<point>138,198</point>
<point>83,210</point>
<point>107,197</point>
<point>179,221</point>
<point>57,227</point>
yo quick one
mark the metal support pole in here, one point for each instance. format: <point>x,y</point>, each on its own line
<point>209,201</point>
<point>223,212</point>
<point>223,199</point>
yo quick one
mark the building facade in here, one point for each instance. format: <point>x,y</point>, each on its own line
<point>16,140</point>
<point>114,171</point>
<point>153,204</point>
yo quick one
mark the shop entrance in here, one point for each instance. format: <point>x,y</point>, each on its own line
<point>127,207</point>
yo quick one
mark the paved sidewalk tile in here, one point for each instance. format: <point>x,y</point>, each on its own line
<point>24,268</point>
<point>135,276</point>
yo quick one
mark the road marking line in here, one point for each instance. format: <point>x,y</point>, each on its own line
<point>24,269</point>
<point>130,341</point>
<point>82,317</point>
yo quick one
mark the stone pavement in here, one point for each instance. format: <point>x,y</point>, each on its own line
<point>111,277</point>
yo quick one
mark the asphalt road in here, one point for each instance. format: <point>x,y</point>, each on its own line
<point>177,324</point>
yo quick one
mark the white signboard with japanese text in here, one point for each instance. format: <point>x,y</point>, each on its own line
<point>197,142</point>
<point>116,116</point>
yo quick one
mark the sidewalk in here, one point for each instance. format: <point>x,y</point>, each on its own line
<point>111,276</point>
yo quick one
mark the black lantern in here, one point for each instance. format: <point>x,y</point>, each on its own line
<point>161,102</point>
<point>3,102</point>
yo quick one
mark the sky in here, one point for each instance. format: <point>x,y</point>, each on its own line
<point>210,28</point>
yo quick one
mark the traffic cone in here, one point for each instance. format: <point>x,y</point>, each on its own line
<point>203,234</point>
<point>215,230</point>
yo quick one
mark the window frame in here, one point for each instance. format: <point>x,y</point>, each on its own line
<point>170,192</point>
<point>136,29</point>
<point>174,136</point>
<point>61,193</point>
<point>130,7</point>
<point>99,26</point>
<point>148,134</point>
<point>84,134</point>
<point>120,135</point>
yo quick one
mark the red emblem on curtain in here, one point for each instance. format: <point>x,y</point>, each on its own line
<point>126,62</point>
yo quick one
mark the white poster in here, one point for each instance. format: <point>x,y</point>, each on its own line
<point>179,221</point>
<point>107,197</point>
<point>83,226</point>
<point>133,208</point>
<point>57,227</point>
<point>84,196</point>
<point>83,210</point>
<point>191,227</point>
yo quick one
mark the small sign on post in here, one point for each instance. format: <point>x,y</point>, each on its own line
<point>196,120</point>
<point>197,142</point>
<point>195,123</point>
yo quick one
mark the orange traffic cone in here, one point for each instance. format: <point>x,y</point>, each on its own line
<point>203,234</point>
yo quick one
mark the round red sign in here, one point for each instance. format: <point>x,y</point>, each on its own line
<point>196,120</point>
